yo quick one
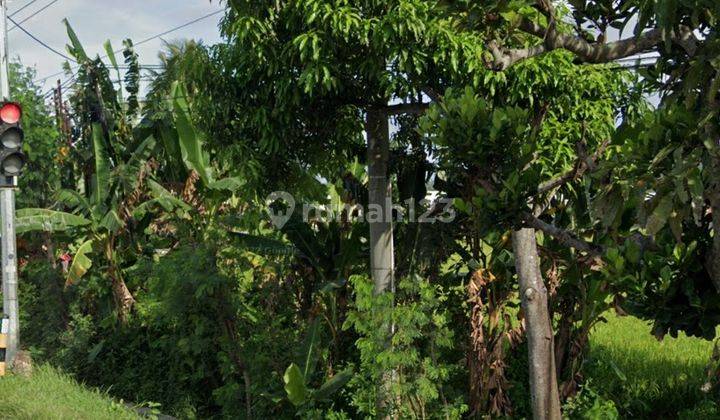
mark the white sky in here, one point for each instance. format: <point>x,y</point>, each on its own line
<point>95,21</point>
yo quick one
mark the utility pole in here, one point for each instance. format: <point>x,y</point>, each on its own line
<point>7,214</point>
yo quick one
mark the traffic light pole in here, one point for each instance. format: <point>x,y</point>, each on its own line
<point>7,215</point>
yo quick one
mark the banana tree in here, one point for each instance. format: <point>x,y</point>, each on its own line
<point>112,153</point>
<point>104,221</point>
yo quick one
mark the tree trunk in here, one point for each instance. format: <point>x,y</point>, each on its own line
<point>713,196</point>
<point>382,263</point>
<point>49,249</point>
<point>123,299</point>
<point>544,394</point>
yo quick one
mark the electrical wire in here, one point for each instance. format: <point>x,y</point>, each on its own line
<point>177,28</point>
<point>30,3</point>
<point>40,41</point>
<point>144,41</point>
<point>73,77</point>
<point>34,14</point>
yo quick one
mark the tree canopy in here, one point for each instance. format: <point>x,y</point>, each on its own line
<point>555,179</point>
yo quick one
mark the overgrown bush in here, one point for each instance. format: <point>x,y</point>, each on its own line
<point>416,357</point>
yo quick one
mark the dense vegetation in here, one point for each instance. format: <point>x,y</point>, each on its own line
<point>552,191</point>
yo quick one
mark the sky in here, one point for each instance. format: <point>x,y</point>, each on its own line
<point>95,21</point>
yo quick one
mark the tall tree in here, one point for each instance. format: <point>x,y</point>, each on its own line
<point>513,149</point>
<point>309,75</point>
<point>665,27</point>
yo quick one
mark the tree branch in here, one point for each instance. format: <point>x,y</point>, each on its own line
<point>586,51</point>
<point>584,163</point>
<point>504,58</point>
<point>411,108</point>
<point>567,239</point>
<point>562,236</point>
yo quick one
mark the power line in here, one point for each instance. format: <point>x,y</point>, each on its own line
<point>144,41</point>
<point>34,14</point>
<point>23,8</point>
<point>177,28</point>
<point>40,41</point>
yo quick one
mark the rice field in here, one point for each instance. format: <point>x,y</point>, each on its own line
<point>647,378</point>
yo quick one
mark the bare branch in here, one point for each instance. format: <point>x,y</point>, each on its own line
<point>504,58</point>
<point>586,51</point>
<point>567,239</point>
<point>603,53</point>
<point>562,236</point>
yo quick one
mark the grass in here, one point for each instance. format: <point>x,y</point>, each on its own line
<point>52,395</point>
<point>646,378</point>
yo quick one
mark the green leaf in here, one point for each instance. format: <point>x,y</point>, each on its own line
<point>112,222</point>
<point>191,144</point>
<point>295,385</point>
<point>309,349</point>
<point>697,191</point>
<point>76,49</point>
<point>168,200</point>
<point>111,54</point>
<point>132,77</point>
<point>619,373</point>
<point>227,184</point>
<point>333,385</point>
<point>660,215</point>
<point>608,206</point>
<point>33,220</point>
<point>93,354</point>
<point>662,154</point>
<point>161,198</point>
<point>102,165</point>
<point>142,152</point>
<point>81,263</point>
<point>171,143</point>
<point>73,199</point>
<point>675,223</point>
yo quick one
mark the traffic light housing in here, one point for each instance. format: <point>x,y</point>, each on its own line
<point>12,158</point>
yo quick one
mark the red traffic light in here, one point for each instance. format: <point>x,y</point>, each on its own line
<point>10,113</point>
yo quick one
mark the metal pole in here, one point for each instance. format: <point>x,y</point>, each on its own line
<point>4,64</point>
<point>7,213</point>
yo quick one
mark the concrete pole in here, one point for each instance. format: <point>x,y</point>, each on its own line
<point>382,253</point>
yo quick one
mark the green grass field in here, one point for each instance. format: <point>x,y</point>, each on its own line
<point>647,378</point>
<point>51,395</point>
